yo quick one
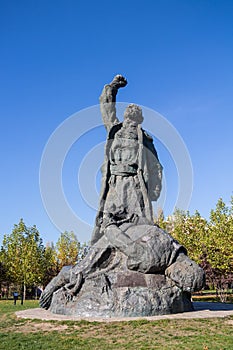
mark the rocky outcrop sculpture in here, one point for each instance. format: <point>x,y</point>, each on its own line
<point>133,268</point>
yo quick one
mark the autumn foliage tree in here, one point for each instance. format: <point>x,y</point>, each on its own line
<point>50,266</point>
<point>22,254</point>
<point>25,261</point>
<point>218,254</point>
<point>67,248</point>
<point>208,242</point>
<point>190,231</point>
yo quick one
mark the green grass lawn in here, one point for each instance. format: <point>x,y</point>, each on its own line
<point>208,334</point>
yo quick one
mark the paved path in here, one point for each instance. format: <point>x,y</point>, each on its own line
<point>202,310</point>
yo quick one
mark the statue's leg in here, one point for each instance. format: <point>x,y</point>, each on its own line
<point>186,274</point>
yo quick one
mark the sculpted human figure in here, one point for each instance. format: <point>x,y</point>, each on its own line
<point>148,249</point>
<point>131,173</point>
<point>125,239</point>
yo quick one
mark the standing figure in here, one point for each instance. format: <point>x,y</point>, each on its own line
<point>131,173</point>
<point>15,296</point>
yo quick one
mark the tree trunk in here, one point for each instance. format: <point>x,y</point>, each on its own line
<point>7,291</point>
<point>21,294</point>
<point>24,291</point>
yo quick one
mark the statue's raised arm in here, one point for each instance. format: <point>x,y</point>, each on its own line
<point>108,101</point>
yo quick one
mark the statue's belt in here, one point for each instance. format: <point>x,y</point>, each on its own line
<point>123,169</point>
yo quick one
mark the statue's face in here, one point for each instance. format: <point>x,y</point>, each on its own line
<point>133,120</point>
<point>133,114</point>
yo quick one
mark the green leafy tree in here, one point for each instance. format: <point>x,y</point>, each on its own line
<point>220,241</point>
<point>50,266</point>
<point>68,248</point>
<point>3,275</point>
<point>209,243</point>
<point>190,231</point>
<point>219,247</point>
<point>22,255</point>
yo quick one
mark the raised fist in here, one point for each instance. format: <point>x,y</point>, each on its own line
<point>119,81</point>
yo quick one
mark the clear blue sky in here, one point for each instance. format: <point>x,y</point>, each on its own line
<point>55,58</point>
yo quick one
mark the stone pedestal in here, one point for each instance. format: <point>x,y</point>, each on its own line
<point>123,294</point>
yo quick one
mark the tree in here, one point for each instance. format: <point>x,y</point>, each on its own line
<point>219,247</point>
<point>221,237</point>
<point>50,265</point>
<point>160,219</point>
<point>209,243</point>
<point>3,275</point>
<point>22,255</point>
<point>190,231</point>
<point>68,248</point>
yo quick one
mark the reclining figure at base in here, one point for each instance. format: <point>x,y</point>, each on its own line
<point>148,249</point>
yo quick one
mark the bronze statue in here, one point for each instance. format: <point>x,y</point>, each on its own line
<point>133,268</point>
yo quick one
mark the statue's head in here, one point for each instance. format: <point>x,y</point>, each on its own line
<point>133,113</point>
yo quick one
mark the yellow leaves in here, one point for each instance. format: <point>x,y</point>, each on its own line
<point>21,254</point>
<point>211,240</point>
<point>67,249</point>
